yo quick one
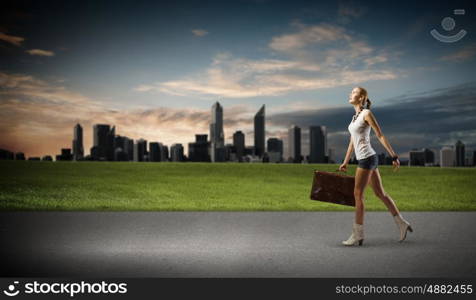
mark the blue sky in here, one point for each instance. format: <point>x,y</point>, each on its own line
<point>154,69</point>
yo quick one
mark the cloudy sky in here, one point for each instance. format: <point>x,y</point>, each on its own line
<point>154,69</point>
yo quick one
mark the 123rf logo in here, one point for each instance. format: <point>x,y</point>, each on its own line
<point>70,289</point>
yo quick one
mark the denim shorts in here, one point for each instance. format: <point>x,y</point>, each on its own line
<point>369,163</point>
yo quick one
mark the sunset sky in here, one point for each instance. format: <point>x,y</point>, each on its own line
<point>154,69</point>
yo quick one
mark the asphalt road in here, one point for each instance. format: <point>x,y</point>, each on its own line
<point>234,244</point>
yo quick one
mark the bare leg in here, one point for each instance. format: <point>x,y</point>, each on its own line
<point>403,225</point>
<point>362,177</point>
<point>376,184</point>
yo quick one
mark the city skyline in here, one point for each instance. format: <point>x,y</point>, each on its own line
<point>111,147</point>
<point>154,70</point>
<point>104,134</point>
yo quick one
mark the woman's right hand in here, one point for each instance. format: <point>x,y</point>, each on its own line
<point>343,168</point>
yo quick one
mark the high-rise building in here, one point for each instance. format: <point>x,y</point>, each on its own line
<point>424,157</point>
<point>119,142</point>
<point>129,148</point>
<point>275,145</point>
<point>259,123</point>
<point>7,155</point>
<point>447,157</point>
<point>429,156</point>
<point>468,160</point>
<point>239,144</point>
<point>65,155</point>
<point>198,151</point>
<point>318,144</point>
<point>140,150</point>
<point>78,150</point>
<point>176,152</point>
<point>120,153</point>
<point>217,137</point>
<point>154,151</point>
<point>459,151</point>
<point>417,158</point>
<point>103,142</point>
<point>230,153</point>
<point>164,152</point>
<point>294,144</point>
<point>275,150</point>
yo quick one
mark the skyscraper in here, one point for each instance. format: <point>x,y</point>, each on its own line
<point>176,152</point>
<point>198,151</point>
<point>294,143</point>
<point>140,149</point>
<point>164,152</point>
<point>275,145</point>
<point>447,157</point>
<point>429,157</point>
<point>416,158</point>
<point>318,144</point>
<point>120,153</point>
<point>259,123</point>
<point>129,148</point>
<point>217,138</point>
<point>103,142</point>
<point>459,151</point>
<point>154,151</point>
<point>78,151</point>
<point>275,150</point>
<point>239,144</point>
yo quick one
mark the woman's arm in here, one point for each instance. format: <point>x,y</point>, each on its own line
<point>343,166</point>
<point>370,118</point>
<point>350,149</point>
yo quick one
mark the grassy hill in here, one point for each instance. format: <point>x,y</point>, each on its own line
<point>35,185</point>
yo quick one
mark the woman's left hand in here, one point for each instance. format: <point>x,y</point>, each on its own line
<point>396,165</point>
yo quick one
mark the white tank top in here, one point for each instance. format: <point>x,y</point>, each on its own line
<point>360,133</point>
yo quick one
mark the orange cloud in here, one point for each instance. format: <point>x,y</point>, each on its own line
<point>40,52</point>
<point>464,54</point>
<point>199,32</point>
<point>14,40</point>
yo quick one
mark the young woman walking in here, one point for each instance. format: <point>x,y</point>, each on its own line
<point>367,171</point>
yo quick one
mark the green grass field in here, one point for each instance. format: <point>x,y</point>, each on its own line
<point>33,185</point>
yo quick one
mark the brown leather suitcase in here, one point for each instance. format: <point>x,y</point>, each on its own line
<point>333,187</point>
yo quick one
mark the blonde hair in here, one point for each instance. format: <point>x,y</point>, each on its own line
<point>364,93</point>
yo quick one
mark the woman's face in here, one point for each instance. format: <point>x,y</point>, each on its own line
<point>355,97</point>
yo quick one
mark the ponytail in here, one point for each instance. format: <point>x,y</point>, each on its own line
<point>368,103</point>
